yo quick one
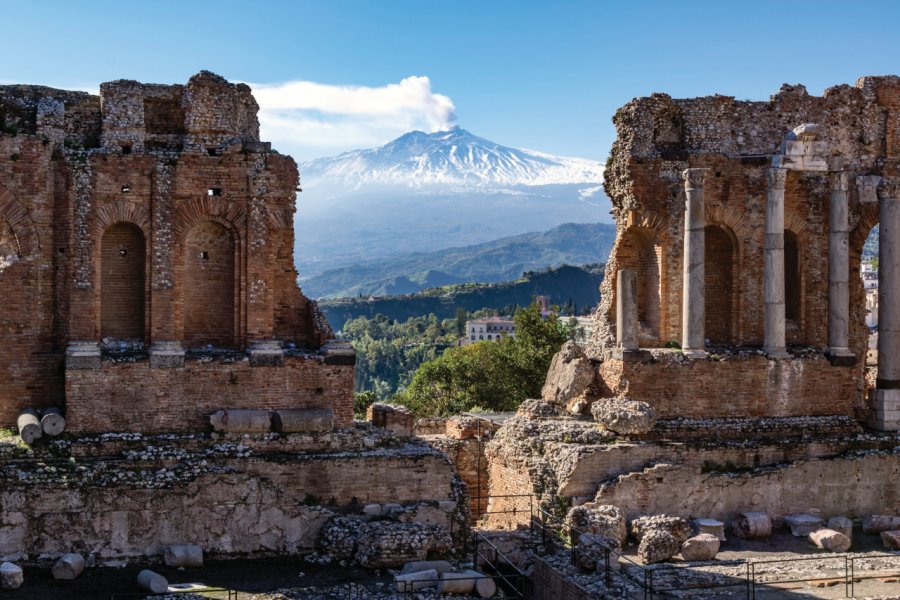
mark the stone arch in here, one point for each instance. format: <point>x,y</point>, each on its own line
<point>721,297</point>
<point>640,251</point>
<point>209,285</point>
<point>18,224</point>
<point>123,251</point>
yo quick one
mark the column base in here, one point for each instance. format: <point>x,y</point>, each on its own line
<point>338,353</point>
<point>83,355</point>
<point>635,355</point>
<point>266,353</point>
<point>884,410</point>
<point>694,352</point>
<point>166,355</point>
<point>776,353</point>
<point>840,357</point>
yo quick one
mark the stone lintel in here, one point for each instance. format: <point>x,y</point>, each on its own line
<point>338,353</point>
<point>83,355</point>
<point>840,357</point>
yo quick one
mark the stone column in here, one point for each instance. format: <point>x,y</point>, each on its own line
<point>773,340</point>
<point>838,267</point>
<point>626,311</point>
<point>885,399</point>
<point>693,312</point>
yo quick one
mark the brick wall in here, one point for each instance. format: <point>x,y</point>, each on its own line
<point>746,385</point>
<point>122,282</point>
<point>208,299</point>
<point>134,397</point>
<point>550,584</point>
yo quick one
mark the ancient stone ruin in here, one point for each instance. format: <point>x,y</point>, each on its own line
<point>150,309</point>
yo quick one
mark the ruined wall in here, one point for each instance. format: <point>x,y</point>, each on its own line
<point>738,385</point>
<point>853,487</point>
<point>158,168</point>
<point>131,396</point>
<point>659,137</point>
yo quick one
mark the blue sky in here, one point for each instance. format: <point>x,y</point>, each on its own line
<point>541,75</point>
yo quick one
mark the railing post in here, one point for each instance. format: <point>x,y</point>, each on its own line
<point>572,544</point>
<point>475,550</point>
<point>608,579</point>
<point>752,581</point>
<point>748,580</point>
<point>847,575</point>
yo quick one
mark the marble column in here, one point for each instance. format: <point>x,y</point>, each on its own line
<point>838,267</point>
<point>773,340</point>
<point>693,311</point>
<point>885,400</point>
<point>626,311</point>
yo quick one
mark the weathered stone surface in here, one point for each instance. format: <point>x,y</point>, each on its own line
<point>339,536</point>
<point>152,582</point>
<point>456,583</point>
<point>303,420</point>
<point>418,580</point>
<point>891,539</point>
<point>677,527</point>
<point>571,374</point>
<point>392,417</point>
<point>842,525</point>
<point>485,587</point>
<point>241,421</point>
<point>700,547</point>
<point>385,544</point>
<point>183,555</point>
<point>712,527</point>
<point>591,550</point>
<point>802,525</point>
<point>69,566</point>
<point>624,416</point>
<point>11,576</point>
<point>441,566</point>
<point>52,421</point>
<point>29,425</point>
<point>656,546</point>
<point>605,521</point>
<point>463,428</point>
<point>829,539</point>
<point>534,408</point>
<point>879,523</point>
<point>752,525</point>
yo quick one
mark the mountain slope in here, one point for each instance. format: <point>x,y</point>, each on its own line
<point>500,260</point>
<point>576,286</point>
<point>426,192</point>
<point>455,158</point>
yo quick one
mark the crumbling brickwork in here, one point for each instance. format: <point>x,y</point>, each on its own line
<point>855,137</point>
<point>151,219</point>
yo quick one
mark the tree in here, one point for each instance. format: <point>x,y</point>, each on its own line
<point>494,376</point>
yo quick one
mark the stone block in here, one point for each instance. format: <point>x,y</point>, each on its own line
<point>752,525</point>
<point>166,355</point>
<point>891,539</point>
<point>658,546</point>
<point>570,375</point>
<point>413,582</point>
<point>338,353</point>
<point>463,428</point>
<point>884,410</point>
<point>183,555</point>
<point>392,417</point>
<point>303,420</point>
<point>841,525</point>
<point>712,527</point>
<point>69,566</point>
<point>441,566</point>
<point>241,421</point>
<point>11,576</point>
<point>829,539</point>
<point>624,416</point>
<point>83,355</point>
<point>879,523</point>
<point>266,353</point>
<point>700,547</point>
<point>803,525</point>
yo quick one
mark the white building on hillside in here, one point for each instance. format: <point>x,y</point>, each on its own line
<point>870,282</point>
<point>488,329</point>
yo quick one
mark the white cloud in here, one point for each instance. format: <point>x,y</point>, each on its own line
<point>309,120</point>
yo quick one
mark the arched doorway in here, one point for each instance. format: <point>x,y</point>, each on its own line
<point>638,251</point>
<point>9,244</point>
<point>122,258</point>
<point>720,254</point>
<point>209,286</point>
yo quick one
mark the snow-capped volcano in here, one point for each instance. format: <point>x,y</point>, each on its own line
<point>453,158</point>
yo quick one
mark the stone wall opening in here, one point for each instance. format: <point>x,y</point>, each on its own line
<point>639,251</point>
<point>209,286</point>
<point>793,287</point>
<point>720,296</point>
<point>122,282</point>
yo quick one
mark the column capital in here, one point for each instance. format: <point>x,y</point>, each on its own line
<point>775,177</point>
<point>889,188</point>
<point>867,187</point>
<point>840,181</point>
<point>694,178</point>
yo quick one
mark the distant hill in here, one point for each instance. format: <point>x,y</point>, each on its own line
<point>578,286</point>
<point>500,260</point>
<point>424,192</point>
